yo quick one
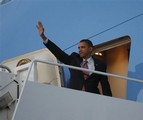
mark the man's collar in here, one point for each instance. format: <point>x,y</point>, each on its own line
<point>89,59</point>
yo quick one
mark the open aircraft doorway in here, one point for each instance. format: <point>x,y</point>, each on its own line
<point>116,54</point>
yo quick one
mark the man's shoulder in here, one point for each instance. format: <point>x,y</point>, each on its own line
<point>99,61</point>
<point>75,54</point>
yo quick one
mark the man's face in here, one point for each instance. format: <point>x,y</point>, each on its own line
<point>84,50</point>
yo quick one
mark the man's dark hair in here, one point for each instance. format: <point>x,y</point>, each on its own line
<point>88,42</point>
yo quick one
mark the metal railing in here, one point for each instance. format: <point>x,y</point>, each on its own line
<point>34,63</point>
<point>82,69</point>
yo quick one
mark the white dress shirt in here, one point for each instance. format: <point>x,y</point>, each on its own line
<point>90,64</point>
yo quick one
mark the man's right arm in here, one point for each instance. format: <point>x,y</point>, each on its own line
<point>60,55</point>
<point>41,32</point>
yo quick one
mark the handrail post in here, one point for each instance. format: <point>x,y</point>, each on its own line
<point>35,71</point>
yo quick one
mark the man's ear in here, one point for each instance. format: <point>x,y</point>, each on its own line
<point>91,49</point>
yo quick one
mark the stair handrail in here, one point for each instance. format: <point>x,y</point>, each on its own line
<point>72,67</point>
<point>82,69</point>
